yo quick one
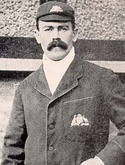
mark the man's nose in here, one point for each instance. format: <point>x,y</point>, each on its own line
<point>56,33</point>
<point>56,40</point>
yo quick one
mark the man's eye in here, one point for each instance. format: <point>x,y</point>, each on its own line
<point>48,29</point>
<point>64,29</point>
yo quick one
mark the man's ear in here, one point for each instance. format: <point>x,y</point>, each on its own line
<point>37,36</point>
<point>75,35</point>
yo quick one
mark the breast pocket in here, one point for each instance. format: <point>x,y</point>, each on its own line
<point>78,117</point>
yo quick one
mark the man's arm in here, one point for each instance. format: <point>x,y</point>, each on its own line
<point>114,97</point>
<point>14,140</point>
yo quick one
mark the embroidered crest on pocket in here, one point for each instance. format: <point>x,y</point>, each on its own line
<point>79,120</point>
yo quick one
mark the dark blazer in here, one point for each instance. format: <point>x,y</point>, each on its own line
<point>40,131</point>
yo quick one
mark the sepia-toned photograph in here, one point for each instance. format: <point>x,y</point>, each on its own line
<point>62,82</point>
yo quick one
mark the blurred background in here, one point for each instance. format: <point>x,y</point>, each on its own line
<point>101,40</point>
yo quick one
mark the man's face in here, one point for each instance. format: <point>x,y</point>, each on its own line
<point>56,38</point>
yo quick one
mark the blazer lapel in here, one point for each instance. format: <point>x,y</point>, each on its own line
<point>70,78</point>
<point>68,82</point>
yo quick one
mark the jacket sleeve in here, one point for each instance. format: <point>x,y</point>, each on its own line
<point>15,137</point>
<point>114,101</point>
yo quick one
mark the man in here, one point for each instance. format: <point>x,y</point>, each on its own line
<point>61,112</point>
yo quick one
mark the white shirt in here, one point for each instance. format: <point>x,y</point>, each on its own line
<point>55,70</point>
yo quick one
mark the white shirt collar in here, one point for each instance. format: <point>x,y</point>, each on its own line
<point>54,70</point>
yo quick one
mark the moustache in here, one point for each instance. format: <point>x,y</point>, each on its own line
<point>57,43</point>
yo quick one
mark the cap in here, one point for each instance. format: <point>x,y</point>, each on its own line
<point>55,11</point>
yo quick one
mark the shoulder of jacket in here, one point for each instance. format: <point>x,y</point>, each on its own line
<point>96,68</point>
<point>31,79</point>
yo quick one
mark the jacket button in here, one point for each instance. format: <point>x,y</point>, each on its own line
<point>51,148</point>
<point>51,126</point>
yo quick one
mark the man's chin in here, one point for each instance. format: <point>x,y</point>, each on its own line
<point>57,49</point>
<point>57,55</point>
